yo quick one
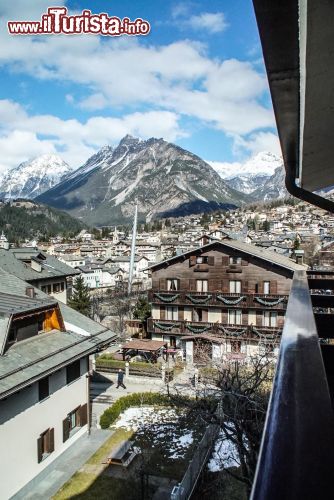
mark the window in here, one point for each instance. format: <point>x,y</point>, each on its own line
<point>202,285</point>
<point>172,312</point>
<point>234,316</point>
<point>235,286</point>
<point>203,259</point>
<point>56,287</point>
<point>234,260</point>
<point>172,284</point>
<point>266,287</point>
<point>270,318</point>
<point>235,346</point>
<point>75,419</point>
<point>43,388</point>
<point>45,444</point>
<point>266,348</point>
<point>73,371</point>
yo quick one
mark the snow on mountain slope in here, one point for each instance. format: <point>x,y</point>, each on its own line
<point>162,178</point>
<point>33,177</point>
<point>263,163</point>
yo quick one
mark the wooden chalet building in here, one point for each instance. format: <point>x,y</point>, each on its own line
<point>228,295</point>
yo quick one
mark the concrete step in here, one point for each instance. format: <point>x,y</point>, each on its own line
<point>102,398</point>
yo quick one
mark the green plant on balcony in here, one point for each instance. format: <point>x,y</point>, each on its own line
<point>199,300</point>
<point>167,298</point>
<point>231,302</point>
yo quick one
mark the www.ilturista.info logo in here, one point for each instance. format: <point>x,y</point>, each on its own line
<point>56,22</point>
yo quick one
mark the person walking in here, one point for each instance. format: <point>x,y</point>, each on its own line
<point>120,378</point>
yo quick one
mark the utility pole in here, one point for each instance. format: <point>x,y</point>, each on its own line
<point>133,249</point>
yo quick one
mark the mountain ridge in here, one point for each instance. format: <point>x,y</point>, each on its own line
<point>160,176</point>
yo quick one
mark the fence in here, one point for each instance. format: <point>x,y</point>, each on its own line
<point>185,488</point>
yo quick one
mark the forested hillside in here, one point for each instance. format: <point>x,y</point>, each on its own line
<point>33,220</point>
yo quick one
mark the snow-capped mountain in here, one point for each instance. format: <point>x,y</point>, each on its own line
<point>263,163</point>
<point>247,183</point>
<point>261,177</point>
<point>33,177</point>
<point>161,177</point>
<point>273,188</point>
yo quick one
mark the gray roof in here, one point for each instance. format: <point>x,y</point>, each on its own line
<point>247,248</point>
<point>35,358</point>
<point>23,361</point>
<point>14,304</point>
<point>12,261</point>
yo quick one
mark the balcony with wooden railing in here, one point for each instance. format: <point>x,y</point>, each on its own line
<point>222,299</point>
<point>186,328</point>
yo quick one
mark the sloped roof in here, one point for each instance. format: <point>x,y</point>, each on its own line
<point>34,358</point>
<point>12,261</point>
<point>245,248</point>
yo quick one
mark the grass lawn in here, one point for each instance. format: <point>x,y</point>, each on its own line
<point>89,486</point>
<point>101,453</point>
<point>85,486</point>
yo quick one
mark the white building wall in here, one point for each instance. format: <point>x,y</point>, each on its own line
<point>188,313</point>
<point>155,311</point>
<point>23,419</point>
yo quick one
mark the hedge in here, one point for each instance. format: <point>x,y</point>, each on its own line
<point>137,399</point>
<point>138,368</point>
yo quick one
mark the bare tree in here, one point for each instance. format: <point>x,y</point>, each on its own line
<point>234,394</point>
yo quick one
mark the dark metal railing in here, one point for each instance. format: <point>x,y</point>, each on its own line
<point>297,451</point>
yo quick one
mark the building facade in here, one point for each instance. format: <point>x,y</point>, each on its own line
<point>229,296</point>
<point>44,383</point>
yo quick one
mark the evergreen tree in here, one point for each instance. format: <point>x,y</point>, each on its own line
<point>80,300</point>
<point>142,309</point>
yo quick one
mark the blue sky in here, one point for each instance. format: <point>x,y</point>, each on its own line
<point>197,80</point>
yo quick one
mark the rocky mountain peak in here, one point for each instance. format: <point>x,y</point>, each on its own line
<point>161,177</point>
<point>33,177</point>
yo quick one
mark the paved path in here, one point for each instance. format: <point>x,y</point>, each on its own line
<point>104,394</point>
<point>48,482</point>
<point>52,478</point>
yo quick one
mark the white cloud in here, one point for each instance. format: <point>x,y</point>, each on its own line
<point>209,22</point>
<point>259,141</point>
<point>178,77</point>
<point>26,136</point>
<point>19,145</point>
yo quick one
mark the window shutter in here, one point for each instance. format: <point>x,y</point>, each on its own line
<point>83,415</point>
<point>225,286</point>
<point>39,449</point>
<point>51,440</point>
<point>261,289</point>
<point>162,312</point>
<point>244,262</point>
<point>162,284</point>
<point>181,313</point>
<point>77,417</point>
<point>244,286</point>
<point>66,429</point>
<point>211,260</point>
<point>192,260</point>
<point>225,260</point>
<point>192,285</point>
<point>273,287</point>
<point>178,281</point>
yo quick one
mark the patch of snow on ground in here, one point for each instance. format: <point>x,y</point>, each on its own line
<point>224,455</point>
<point>162,424</point>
